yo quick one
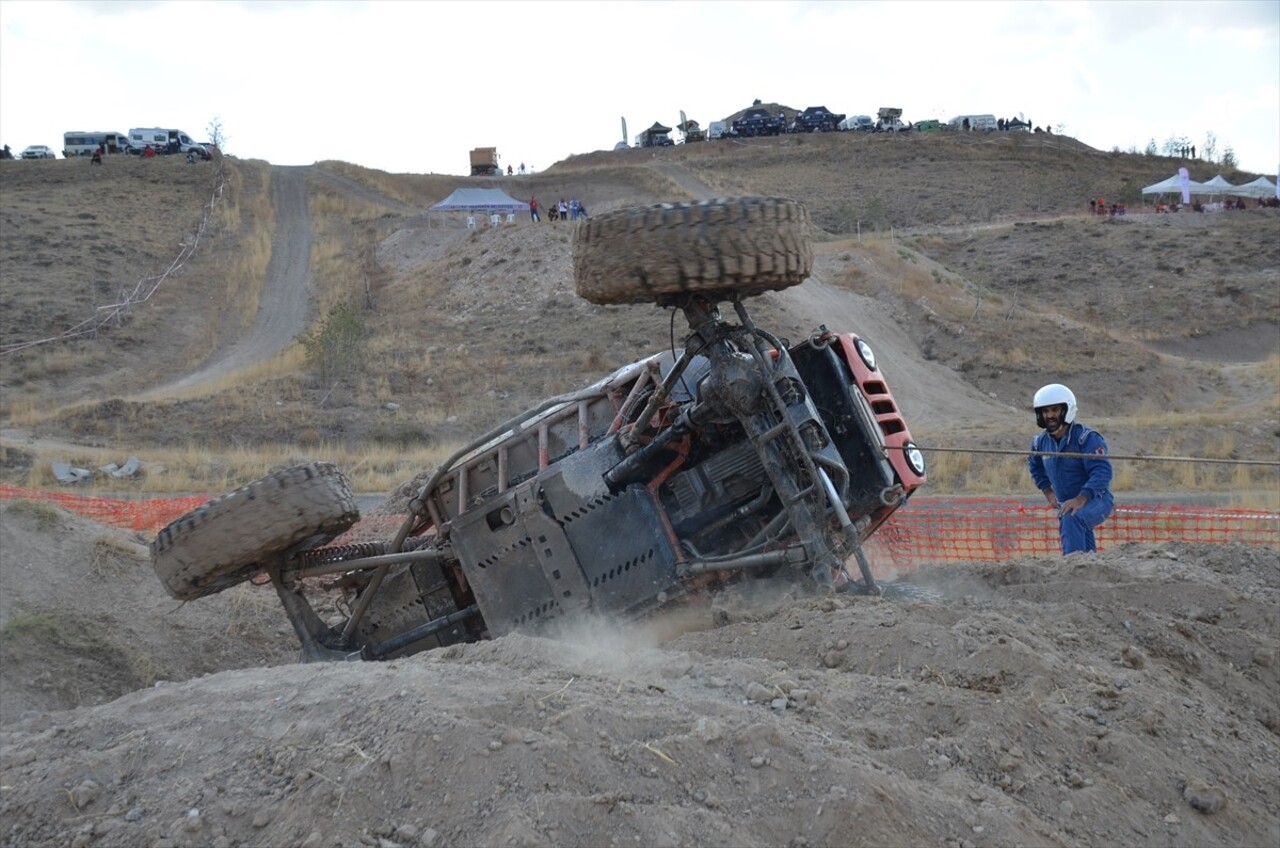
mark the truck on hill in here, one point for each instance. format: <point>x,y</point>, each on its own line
<point>484,162</point>
<point>858,123</point>
<point>816,119</point>
<point>85,143</point>
<point>656,136</point>
<point>889,119</point>
<point>758,121</point>
<point>163,140</point>
<point>975,122</point>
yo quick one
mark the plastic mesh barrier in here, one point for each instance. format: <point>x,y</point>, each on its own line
<point>147,515</point>
<point>940,530</point>
<point>928,530</point>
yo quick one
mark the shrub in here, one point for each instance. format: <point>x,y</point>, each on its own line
<point>334,345</point>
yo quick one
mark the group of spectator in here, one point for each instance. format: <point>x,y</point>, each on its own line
<point>1098,206</point>
<point>1235,203</point>
<point>563,210</point>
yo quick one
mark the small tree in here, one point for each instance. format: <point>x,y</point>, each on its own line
<point>333,346</point>
<point>1210,148</point>
<point>1176,146</point>
<point>1151,150</point>
<point>1229,158</point>
<point>217,135</point>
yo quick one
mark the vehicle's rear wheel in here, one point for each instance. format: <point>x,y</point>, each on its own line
<point>230,539</point>
<point>745,245</point>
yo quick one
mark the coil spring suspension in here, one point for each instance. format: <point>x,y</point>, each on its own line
<point>340,553</point>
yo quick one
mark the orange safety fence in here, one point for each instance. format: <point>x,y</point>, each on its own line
<point>147,515</point>
<point>941,530</point>
<point>927,530</point>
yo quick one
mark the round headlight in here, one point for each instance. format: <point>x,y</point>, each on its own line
<point>864,351</point>
<point>914,458</point>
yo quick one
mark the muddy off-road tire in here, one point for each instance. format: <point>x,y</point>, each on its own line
<point>228,540</point>
<point>744,245</point>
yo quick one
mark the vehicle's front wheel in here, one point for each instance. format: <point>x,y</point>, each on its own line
<point>230,539</point>
<point>745,246</point>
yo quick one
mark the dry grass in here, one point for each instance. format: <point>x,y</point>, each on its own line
<point>251,606</point>
<point>248,270</point>
<point>47,518</point>
<point>958,473</point>
<point>464,339</point>
<point>113,556</point>
<point>194,469</point>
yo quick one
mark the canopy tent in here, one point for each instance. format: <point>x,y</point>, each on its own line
<point>1173,185</point>
<point>485,201</point>
<point>480,200</point>
<point>1261,187</point>
<point>1219,185</point>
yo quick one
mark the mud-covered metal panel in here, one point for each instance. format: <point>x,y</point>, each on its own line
<point>496,550</point>
<point>621,544</point>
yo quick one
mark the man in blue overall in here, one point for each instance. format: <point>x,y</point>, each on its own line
<point>1077,486</point>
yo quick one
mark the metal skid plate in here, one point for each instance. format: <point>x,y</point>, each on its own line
<point>621,545</point>
<point>562,544</point>
<point>504,547</point>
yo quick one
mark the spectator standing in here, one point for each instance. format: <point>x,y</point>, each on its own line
<point>533,210</point>
<point>1077,485</point>
<point>563,209</point>
<point>573,209</point>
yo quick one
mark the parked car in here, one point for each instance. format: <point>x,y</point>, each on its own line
<point>39,151</point>
<point>816,119</point>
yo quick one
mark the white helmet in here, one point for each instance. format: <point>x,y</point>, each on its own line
<point>1052,395</point>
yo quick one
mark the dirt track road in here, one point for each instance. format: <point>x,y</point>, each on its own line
<point>286,293</point>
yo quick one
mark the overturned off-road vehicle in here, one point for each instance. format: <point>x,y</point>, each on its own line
<point>743,456</point>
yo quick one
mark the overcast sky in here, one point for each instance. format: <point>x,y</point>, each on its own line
<point>413,86</point>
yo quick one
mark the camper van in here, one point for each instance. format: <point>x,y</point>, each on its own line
<point>858,123</point>
<point>164,141</point>
<point>81,143</point>
<point>976,122</point>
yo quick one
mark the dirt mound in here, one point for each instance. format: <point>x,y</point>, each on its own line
<point>83,619</point>
<point>1124,698</point>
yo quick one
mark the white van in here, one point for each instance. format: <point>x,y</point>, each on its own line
<point>81,143</point>
<point>164,141</point>
<point>976,122</point>
<point>858,123</point>
<point>717,129</point>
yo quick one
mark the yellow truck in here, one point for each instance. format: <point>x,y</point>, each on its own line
<point>484,162</point>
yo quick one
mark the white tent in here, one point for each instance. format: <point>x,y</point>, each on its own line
<point>1219,185</point>
<point>1173,185</point>
<point>480,200</point>
<point>484,201</point>
<point>1261,187</point>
